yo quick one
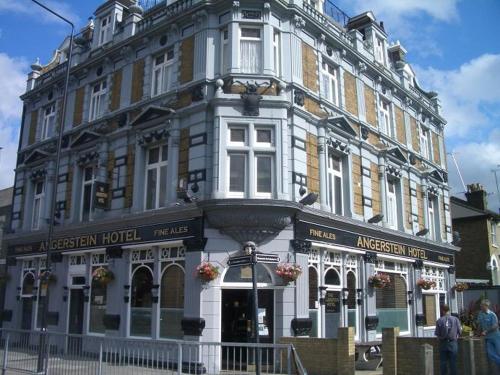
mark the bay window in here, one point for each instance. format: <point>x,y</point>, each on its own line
<point>251,161</point>
<point>38,196</point>
<point>224,50</point>
<point>334,173</point>
<point>329,82</point>
<point>49,119</point>
<point>87,201</point>
<point>98,100</point>
<point>392,205</point>
<point>105,29</point>
<point>163,73</point>
<point>156,177</point>
<point>251,50</point>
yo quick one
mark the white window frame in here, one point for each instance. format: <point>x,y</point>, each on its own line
<point>155,166</point>
<point>330,82</point>
<point>385,117</point>
<point>277,51</point>
<point>225,56</point>
<point>392,208</point>
<point>332,173</point>
<point>38,199</point>
<point>424,142</point>
<point>494,233</point>
<point>97,259</point>
<point>99,91</point>
<point>49,121</point>
<point>431,217</point>
<point>105,29</point>
<point>92,192</point>
<point>379,50</point>
<point>251,39</point>
<point>163,73</point>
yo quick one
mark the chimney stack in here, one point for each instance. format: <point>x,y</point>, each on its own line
<point>477,196</point>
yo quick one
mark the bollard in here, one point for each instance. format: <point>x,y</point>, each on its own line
<point>427,357</point>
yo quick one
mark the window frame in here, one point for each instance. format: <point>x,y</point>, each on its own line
<point>379,50</point>
<point>97,106</point>
<point>85,183</point>
<point>424,142</point>
<point>166,79</point>
<point>157,166</point>
<point>105,30</point>
<point>38,198</point>
<point>332,93</point>
<point>332,173</point>
<point>392,195</point>
<point>251,39</point>
<point>385,117</point>
<point>277,51</point>
<point>48,122</point>
<point>494,238</point>
<point>225,56</point>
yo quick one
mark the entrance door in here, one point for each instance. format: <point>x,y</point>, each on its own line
<point>75,323</point>
<point>237,315</point>
<point>26,313</point>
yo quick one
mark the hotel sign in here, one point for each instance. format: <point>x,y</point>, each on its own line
<point>127,236</point>
<point>314,232</point>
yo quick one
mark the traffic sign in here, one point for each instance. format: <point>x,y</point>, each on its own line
<point>243,260</point>
<point>267,258</point>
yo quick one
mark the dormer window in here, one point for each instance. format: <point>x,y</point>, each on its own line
<point>49,119</point>
<point>379,51</point>
<point>105,30</point>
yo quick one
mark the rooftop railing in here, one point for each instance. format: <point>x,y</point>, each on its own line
<point>334,12</point>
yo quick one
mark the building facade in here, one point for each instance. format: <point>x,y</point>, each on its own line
<point>479,257</point>
<point>194,126</point>
<point>5,210</point>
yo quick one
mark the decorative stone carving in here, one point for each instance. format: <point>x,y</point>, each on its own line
<point>299,98</point>
<point>370,257</point>
<point>418,265</point>
<point>364,132</point>
<point>251,100</point>
<point>301,246</point>
<point>451,270</point>
<point>299,22</point>
<point>197,93</point>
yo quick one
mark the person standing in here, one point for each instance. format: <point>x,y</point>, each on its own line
<point>488,325</point>
<point>448,329</point>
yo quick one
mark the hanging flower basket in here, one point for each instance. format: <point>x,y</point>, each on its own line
<point>47,277</point>
<point>460,287</point>
<point>288,271</point>
<point>207,272</point>
<point>379,280</point>
<point>426,284</point>
<point>102,276</point>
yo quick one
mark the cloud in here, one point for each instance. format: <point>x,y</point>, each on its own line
<point>13,71</point>
<point>31,9</point>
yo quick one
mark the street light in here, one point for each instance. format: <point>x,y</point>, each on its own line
<point>40,364</point>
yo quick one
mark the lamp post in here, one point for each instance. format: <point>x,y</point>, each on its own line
<point>52,211</point>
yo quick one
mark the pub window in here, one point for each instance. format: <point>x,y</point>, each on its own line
<point>141,302</point>
<point>332,277</point>
<point>28,284</point>
<point>351,300</point>
<point>163,72</point>
<point>392,304</point>
<point>335,186</point>
<point>87,201</point>
<point>172,302</point>
<point>156,177</point>
<point>98,294</point>
<point>38,199</point>
<point>313,300</point>
<point>430,308</point>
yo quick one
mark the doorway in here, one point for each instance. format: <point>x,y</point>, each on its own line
<point>75,319</point>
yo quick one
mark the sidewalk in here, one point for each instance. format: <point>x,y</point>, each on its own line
<point>368,372</point>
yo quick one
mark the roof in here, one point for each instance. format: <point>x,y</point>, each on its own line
<point>6,197</point>
<point>461,209</point>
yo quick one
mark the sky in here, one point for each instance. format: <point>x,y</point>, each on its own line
<point>452,45</point>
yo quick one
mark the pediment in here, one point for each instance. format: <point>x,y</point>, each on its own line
<point>340,122</point>
<point>152,113</point>
<point>396,153</point>
<point>436,175</point>
<point>85,137</point>
<point>35,156</point>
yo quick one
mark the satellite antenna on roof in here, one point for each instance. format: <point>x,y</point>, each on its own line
<point>458,170</point>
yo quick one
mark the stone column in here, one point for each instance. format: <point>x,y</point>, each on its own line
<point>323,175</point>
<point>173,163</point>
<point>383,189</point>
<point>371,318</point>
<point>302,324</point>
<point>453,297</point>
<point>118,301</point>
<point>417,300</point>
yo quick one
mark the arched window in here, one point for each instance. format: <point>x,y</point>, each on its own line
<point>351,299</point>
<point>332,277</point>
<point>392,304</point>
<point>172,302</point>
<point>313,300</point>
<point>28,284</point>
<point>244,275</point>
<point>98,297</point>
<point>141,302</point>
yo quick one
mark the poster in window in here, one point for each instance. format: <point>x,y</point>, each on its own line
<point>101,196</point>
<point>263,330</point>
<point>332,302</point>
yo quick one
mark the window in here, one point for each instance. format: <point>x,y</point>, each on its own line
<point>493,233</point>
<point>87,203</point>
<point>49,119</point>
<point>163,69</point>
<point>172,302</point>
<point>430,309</point>
<point>156,177</point>
<point>37,205</point>
<point>251,156</point>
<point>250,50</point>
<point>392,205</point>
<point>391,304</point>
<point>98,294</point>
<point>277,52</point>
<point>424,142</point>
<point>105,30</point>
<point>379,51</point>
<point>334,171</point>
<point>385,117</point>
<point>313,300</point>
<point>224,51</point>
<point>329,82</point>
<point>431,204</point>
<point>97,100</point>
<point>141,302</point>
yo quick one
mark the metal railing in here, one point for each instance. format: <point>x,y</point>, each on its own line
<point>78,354</point>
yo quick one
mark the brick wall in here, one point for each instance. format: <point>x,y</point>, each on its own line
<point>187,60</point>
<point>116,87</point>
<point>137,81</point>
<point>351,96</point>
<point>183,168</point>
<point>415,139</point>
<point>78,110</point>
<point>129,187</point>
<point>407,203</point>
<point>33,124</point>
<point>356,181</point>
<point>370,105</point>
<point>309,67</point>
<point>400,125</point>
<point>376,205</point>
<point>436,157</point>
<point>312,164</point>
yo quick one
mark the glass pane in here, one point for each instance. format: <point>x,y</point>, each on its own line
<point>250,33</point>
<point>332,277</point>
<point>429,308</point>
<point>338,195</point>
<point>250,52</point>
<point>163,186</point>
<point>313,315</point>
<point>36,214</point>
<point>334,163</point>
<point>153,155</point>
<point>238,135</point>
<point>172,303</point>
<point>313,287</point>
<point>332,313</point>
<point>97,307</point>
<point>392,309</point>
<point>157,82</point>
<point>164,153</point>
<point>170,54</point>
<point>87,201</point>
<point>141,303</point>
<point>264,135</point>
<point>244,275</point>
<point>28,283</point>
<point>159,60</point>
<point>237,173</point>
<point>151,189</point>
<point>89,174</point>
<point>264,174</point>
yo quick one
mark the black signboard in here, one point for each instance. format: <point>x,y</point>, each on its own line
<point>101,195</point>
<point>332,302</point>
<point>316,232</point>
<point>175,230</point>
<point>243,260</point>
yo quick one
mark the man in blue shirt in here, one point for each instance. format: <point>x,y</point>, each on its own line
<point>488,325</point>
<point>448,329</point>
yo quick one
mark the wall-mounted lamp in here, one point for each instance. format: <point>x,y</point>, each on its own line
<point>359,296</point>
<point>423,232</point>
<point>410,297</point>
<point>376,219</point>
<point>345,295</point>
<point>309,199</point>
<point>322,294</point>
